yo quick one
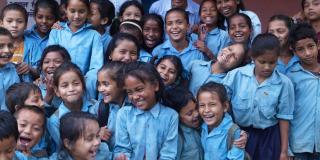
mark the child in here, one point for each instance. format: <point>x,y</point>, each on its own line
<point>240,28</point>
<point>31,125</point>
<point>8,71</point>
<point>311,12</point>
<point>52,57</point>
<point>46,13</point>
<point>202,72</point>
<point>110,86</point>
<point>228,8</point>
<point>102,14</point>
<point>70,87</point>
<point>210,39</point>
<point>25,54</point>
<point>146,129</point>
<point>305,78</point>
<point>83,44</point>
<point>8,137</point>
<point>123,47</point>
<point>153,32</point>
<point>80,138</point>
<point>178,44</point>
<point>262,100</point>
<point>213,106</point>
<point>280,26</point>
<point>170,69</point>
<point>189,144</point>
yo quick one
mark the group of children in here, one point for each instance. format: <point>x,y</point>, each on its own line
<point>180,85</point>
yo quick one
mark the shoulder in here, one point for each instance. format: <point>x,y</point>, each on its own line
<point>168,112</point>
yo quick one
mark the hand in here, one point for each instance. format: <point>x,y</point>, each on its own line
<point>201,46</point>
<point>242,141</point>
<point>284,156</point>
<point>202,32</point>
<point>299,17</point>
<point>48,81</point>
<point>195,28</point>
<point>105,133</point>
<point>23,68</point>
<point>122,156</point>
<point>57,26</point>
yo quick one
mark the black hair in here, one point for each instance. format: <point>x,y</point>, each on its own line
<point>177,64</point>
<point>106,9</point>
<point>66,67</point>
<point>246,18</point>
<point>86,2</point>
<point>286,19</point>
<point>8,126</point>
<point>245,58</point>
<point>265,42</point>
<point>157,18</point>
<point>35,109</point>
<point>18,93</point>
<point>146,73</point>
<point>177,98</point>
<point>216,88</point>
<point>179,10</point>
<point>301,31</point>
<point>115,70</point>
<point>73,125</point>
<point>127,4</point>
<point>54,48</point>
<point>115,42</point>
<point>302,4</point>
<point>132,27</point>
<point>5,32</point>
<point>15,7</point>
<point>51,4</point>
<point>220,20</point>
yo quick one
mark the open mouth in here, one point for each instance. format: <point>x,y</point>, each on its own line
<point>25,141</point>
<point>208,117</point>
<point>6,56</point>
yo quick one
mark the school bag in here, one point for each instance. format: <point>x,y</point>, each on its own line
<point>230,139</point>
<point>103,113</point>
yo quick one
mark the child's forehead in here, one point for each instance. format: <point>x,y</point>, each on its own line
<point>305,41</point>
<point>14,13</point>
<point>5,39</point>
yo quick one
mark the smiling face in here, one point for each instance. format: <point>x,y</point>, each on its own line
<point>141,94</point>
<point>231,56</point>
<point>131,13</point>
<point>167,71</point>
<point>126,51</point>
<point>109,88</point>
<point>227,7</point>
<point>15,22</point>
<point>311,9</point>
<point>95,17</point>
<point>209,13</point>
<point>211,109</point>
<point>86,146</point>
<point>51,62</point>
<point>77,13</point>
<point>6,49</point>
<point>307,51</point>
<point>280,30</point>
<point>151,33</point>
<point>239,30</point>
<point>44,20</point>
<point>189,115</point>
<point>176,26</point>
<point>265,64</point>
<point>31,127</point>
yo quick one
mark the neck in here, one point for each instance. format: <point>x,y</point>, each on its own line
<point>100,29</point>
<point>75,106</point>
<point>316,25</point>
<point>73,28</point>
<point>181,45</point>
<point>210,27</point>
<point>120,100</point>
<point>41,34</point>
<point>18,40</point>
<point>314,67</point>
<point>217,68</point>
<point>285,55</point>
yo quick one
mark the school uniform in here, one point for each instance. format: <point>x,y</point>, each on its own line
<point>20,156</point>
<point>105,39</point>
<point>201,73</point>
<point>284,68</point>
<point>149,134</point>
<point>215,144</point>
<point>258,107</point>
<point>54,121</point>
<point>9,76</point>
<point>144,56</point>
<point>189,144</point>
<point>215,40</point>
<point>33,35</point>
<point>189,54</point>
<point>305,127</point>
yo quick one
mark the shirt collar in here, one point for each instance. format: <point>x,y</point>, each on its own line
<point>248,70</point>
<point>66,26</point>
<point>64,109</point>
<point>7,66</point>
<point>222,127</point>
<point>184,128</point>
<point>214,31</point>
<point>155,110</point>
<point>167,45</point>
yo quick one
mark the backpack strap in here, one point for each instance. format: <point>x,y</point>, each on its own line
<point>230,137</point>
<point>103,114</point>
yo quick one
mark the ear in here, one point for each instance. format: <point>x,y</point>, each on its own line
<point>104,21</point>
<point>67,144</point>
<point>17,107</point>
<point>226,106</point>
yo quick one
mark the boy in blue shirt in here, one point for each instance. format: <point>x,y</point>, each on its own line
<point>304,134</point>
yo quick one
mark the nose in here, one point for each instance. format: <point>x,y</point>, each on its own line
<point>27,129</point>
<point>126,57</point>
<point>97,141</point>
<point>76,15</point>
<point>6,49</point>
<point>308,52</point>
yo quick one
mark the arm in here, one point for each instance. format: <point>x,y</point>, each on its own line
<point>236,153</point>
<point>122,139</point>
<point>284,134</point>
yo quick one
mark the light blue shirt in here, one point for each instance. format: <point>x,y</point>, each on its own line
<point>284,68</point>
<point>9,76</point>
<point>215,143</point>
<point>144,56</point>
<point>201,73</point>
<point>216,40</point>
<point>188,55</point>
<point>33,35</point>
<point>162,6</point>
<point>149,134</point>
<point>259,105</point>
<point>105,38</point>
<point>189,144</point>
<point>305,126</point>
<point>53,124</point>
<point>20,156</point>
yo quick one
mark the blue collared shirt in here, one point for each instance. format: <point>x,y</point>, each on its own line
<point>284,68</point>
<point>189,144</point>
<point>215,143</point>
<point>9,76</point>
<point>188,55</point>
<point>33,35</point>
<point>149,134</point>
<point>53,124</point>
<point>259,105</point>
<point>305,126</point>
<point>144,56</point>
<point>216,40</point>
<point>201,73</point>
<point>105,38</point>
